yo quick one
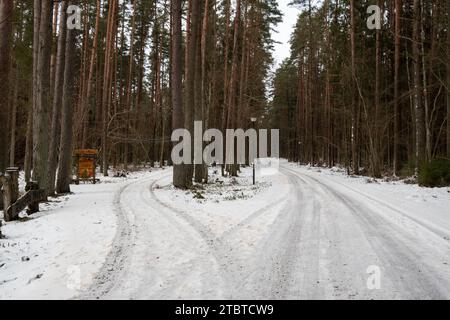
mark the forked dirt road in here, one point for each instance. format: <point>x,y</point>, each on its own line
<point>322,241</point>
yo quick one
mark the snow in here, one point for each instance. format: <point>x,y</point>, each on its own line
<point>229,202</point>
<point>430,206</point>
<point>55,253</point>
<point>172,245</point>
<point>299,233</point>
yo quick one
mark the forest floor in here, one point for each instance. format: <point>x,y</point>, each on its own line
<point>301,233</point>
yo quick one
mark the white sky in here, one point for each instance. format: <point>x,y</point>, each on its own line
<point>284,31</point>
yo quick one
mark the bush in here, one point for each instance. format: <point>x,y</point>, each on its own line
<point>435,173</point>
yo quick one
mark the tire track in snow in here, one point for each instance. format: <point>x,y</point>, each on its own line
<point>402,264</point>
<point>218,248</point>
<point>253,217</point>
<point>435,229</point>
<point>105,279</point>
<point>280,269</point>
<point>179,273</point>
<point>114,265</point>
<point>272,266</point>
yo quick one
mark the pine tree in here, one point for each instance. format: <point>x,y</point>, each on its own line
<point>6,12</point>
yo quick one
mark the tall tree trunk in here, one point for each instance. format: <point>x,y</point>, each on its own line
<point>57,99</point>
<point>376,170</point>
<point>354,124</point>
<point>397,117</point>
<point>448,79</point>
<point>65,155</point>
<point>54,53</point>
<point>205,105</point>
<point>41,111</point>
<point>82,73</point>
<point>190,86</point>
<point>131,58</point>
<point>425,85</point>
<point>328,102</point>
<point>311,77</point>
<point>418,106</point>
<point>231,119</point>
<point>6,11</point>
<point>128,104</point>
<point>201,170</point>
<point>225,67</point>
<point>28,162</point>
<point>87,95</point>
<point>106,96</point>
<point>138,123</point>
<point>30,126</point>
<point>179,174</point>
<point>240,120</point>
<point>12,154</point>
<point>225,109</point>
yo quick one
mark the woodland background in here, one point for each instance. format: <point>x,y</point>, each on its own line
<point>374,101</point>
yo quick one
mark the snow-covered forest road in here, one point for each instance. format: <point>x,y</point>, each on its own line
<point>302,233</point>
<point>317,240</point>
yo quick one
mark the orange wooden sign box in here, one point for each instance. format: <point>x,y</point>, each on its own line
<point>85,160</point>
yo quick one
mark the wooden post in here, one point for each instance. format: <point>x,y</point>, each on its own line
<point>1,190</point>
<point>77,169</point>
<point>7,196</point>
<point>33,207</point>
<point>254,173</point>
<point>95,167</point>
